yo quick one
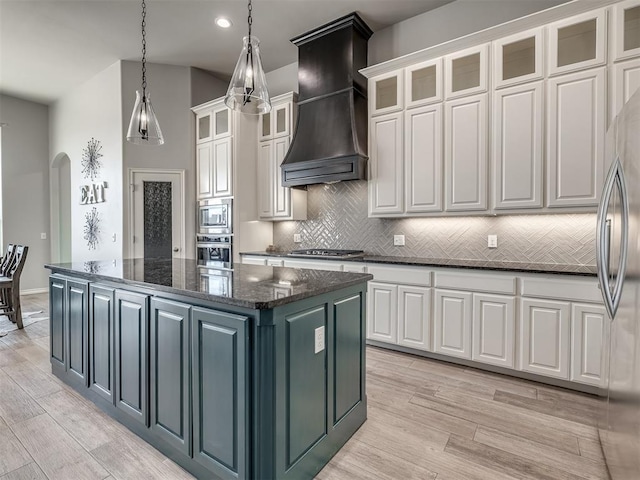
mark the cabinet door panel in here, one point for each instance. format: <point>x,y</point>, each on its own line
<point>588,336</point>
<point>220,392</point>
<point>77,330</point>
<point>382,321</point>
<point>494,329</point>
<point>385,164</point>
<point>204,127</point>
<point>626,29</point>
<point>101,344</point>
<point>576,138</point>
<point>518,58</point>
<point>386,93</point>
<point>626,81</point>
<point>131,355</point>
<point>466,72</point>
<point>544,337</point>
<point>517,149</point>
<point>265,180</point>
<point>204,158</point>
<point>282,195</point>
<point>423,159</point>
<point>466,154</point>
<point>452,323</point>
<point>222,168</point>
<point>169,361</point>
<point>414,319</point>
<point>57,308</point>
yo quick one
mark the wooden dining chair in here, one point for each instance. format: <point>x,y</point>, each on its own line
<point>10,286</point>
<point>7,258</point>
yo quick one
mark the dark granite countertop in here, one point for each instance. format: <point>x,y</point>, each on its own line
<point>554,268</point>
<point>249,286</point>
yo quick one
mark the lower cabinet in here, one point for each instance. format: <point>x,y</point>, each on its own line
<point>101,344</point>
<point>452,323</point>
<point>382,311</point>
<point>57,327</point>
<point>169,373</point>
<point>494,324</point>
<point>414,307</point>
<point>220,395</point>
<point>131,354</point>
<point>589,332</point>
<point>544,337</point>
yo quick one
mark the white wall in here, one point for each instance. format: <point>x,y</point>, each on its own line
<point>25,184</point>
<point>448,22</point>
<point>92,110</point>
<point>283,80</point>
<point>206,86</point>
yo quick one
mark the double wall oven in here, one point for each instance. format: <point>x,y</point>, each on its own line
<point>214,240</point>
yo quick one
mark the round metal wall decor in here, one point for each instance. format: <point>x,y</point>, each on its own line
<point>91,159</point>
<point>92,228</point>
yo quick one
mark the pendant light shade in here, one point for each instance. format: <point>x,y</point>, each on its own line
<point>144,128</point>
<point>247,91</point>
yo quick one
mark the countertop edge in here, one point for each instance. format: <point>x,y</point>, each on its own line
<point>583,270</point>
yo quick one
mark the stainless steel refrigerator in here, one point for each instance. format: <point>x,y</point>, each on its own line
<point>618,259</point>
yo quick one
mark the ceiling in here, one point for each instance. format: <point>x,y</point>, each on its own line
<point>48,47</point>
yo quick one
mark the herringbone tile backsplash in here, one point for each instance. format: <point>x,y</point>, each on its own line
<point>337,218</point>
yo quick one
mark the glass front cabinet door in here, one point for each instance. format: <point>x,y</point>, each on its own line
<point>577,43</point>
<point>204,127</point>
<point>385,93</point>
<point>626,29</point>
<point>518,58</point>
<point>423,83</point>
<point>466,72</point>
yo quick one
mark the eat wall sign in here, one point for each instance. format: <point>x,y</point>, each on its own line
<point>92,193</point>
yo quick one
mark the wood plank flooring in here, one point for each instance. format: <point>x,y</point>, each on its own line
<point>426,420</point>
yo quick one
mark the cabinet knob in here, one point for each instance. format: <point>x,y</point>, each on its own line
<point>176,249</point>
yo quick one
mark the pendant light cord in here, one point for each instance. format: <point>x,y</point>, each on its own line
<point>144,50</point>
<point>250,20</point>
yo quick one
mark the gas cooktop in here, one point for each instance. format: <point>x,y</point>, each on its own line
<point>326,252</point>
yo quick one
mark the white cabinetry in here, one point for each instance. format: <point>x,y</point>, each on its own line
<point>423,83</point>
<point>452,323</point>
<point>386,93</point>
<point>545,347</point>
<point>248,260</point>
<point>494,329</point>
<point>466,72</point>
<point>626,29</point>
<point>518,147</point>
<point>313,264</point>
<point>423,159</point>
<point>386,165</point>
<point>214,151</point>
<point>626,81</point>
<point>465,153</point>
<point>276,202</point>
<point>577,43</point>
<point>404,299</point>
<point>589,332</point>
<point>576,133</point>
<point>518,58</point>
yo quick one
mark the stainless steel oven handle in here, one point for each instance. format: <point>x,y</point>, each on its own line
<point>602,246</point>
<point>213,245</point>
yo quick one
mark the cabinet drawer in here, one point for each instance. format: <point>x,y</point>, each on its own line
<point>477,282</point>
<point>582,290</point>
<point>402,275</point>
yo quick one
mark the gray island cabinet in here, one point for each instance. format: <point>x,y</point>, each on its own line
<point>255,373</point>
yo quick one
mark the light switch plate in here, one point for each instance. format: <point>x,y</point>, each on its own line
<point>319,339</point>
<point>297,238</point>
<point>398,240</point>
<point>492,241</point>
<point>43,236</point>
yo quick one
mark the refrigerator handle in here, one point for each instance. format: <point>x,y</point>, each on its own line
<point>602,245</point>
<point>624,237</point>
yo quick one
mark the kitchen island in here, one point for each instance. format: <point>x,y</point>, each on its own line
<point>258,372</point>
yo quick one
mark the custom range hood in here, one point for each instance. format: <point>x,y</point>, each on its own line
<point>330,140</point>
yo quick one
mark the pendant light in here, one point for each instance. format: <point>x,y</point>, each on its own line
<point>144,128</point>
<point>248,88</point>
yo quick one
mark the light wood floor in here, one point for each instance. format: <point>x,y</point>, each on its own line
<point>426,420</point>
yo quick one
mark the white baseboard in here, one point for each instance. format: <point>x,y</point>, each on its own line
<point>34,291</point>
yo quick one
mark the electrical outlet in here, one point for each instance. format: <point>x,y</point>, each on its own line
<point>297,238</point>
<point>492,241</point>
<point>319,339</point>
<point>43,236</point>
<point>398,240</point>
<point>113,237</point>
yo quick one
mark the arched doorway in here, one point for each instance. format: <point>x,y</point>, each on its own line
<point>60,188</point>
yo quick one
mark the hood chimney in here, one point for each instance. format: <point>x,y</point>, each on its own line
<point>330,140</point>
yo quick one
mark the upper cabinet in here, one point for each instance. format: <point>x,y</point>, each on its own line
<point>213,122</point>
<point>276,202</point>
<point>577,43</point>
<point>423,83</point>
<point>626,29</point>
<point>385,93</point>
<point>466,72</point>
<point>518,58</point>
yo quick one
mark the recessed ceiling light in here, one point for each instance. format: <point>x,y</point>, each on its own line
<point>223,22</point>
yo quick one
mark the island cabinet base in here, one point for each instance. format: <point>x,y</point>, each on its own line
<point>226,392</point>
